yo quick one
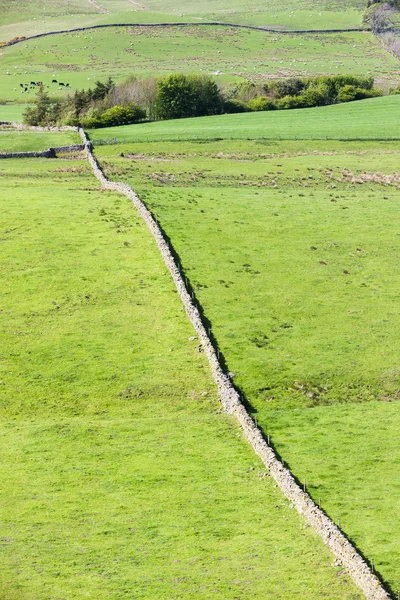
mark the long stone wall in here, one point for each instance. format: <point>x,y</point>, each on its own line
<point>345,553</point>
<point>182,24</point>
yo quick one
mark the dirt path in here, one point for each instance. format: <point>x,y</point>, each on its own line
<point>141,6</point>
<point>99,7</point>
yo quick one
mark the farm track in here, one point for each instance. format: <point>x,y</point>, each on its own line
<point>202,24</point>
<point>345,553</point>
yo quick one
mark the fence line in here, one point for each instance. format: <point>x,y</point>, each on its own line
<point>345,553</point>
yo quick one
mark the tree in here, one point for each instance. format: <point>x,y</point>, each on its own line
<point>102,89</point>
<point>180,96</point>
<point>46,111</point>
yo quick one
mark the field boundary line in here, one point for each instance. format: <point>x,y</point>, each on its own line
<point>20,39</point>
<point>49,153</point>
<point>345,553</point>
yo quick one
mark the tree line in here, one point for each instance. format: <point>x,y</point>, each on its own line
<point>179,96</point>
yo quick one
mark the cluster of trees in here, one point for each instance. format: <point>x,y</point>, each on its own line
<point>91,107</point>
<point>298,92</point>
<point>178,96</point>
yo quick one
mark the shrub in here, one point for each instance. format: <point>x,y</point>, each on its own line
<point>286,87</point>
<point>91,123</point>
<point>235,106</point>
<point>348,93</point>
<point>261,103</point>
<point>122,115</point>
<point>320,95</point>
<point>290,102</point>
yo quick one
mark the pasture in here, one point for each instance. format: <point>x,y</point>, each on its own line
<point>367,119</point>
<point>126,479</point>
<point>80,59</point>
<point>30,17</point>
<point>35,141</point>
<point>12,112</point>
<point>291,247</point>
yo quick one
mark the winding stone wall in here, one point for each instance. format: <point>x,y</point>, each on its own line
<point>345,553</point>
<point>181,24</point>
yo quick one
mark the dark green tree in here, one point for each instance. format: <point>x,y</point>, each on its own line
<point>45,111</point>
<point>180,96</point>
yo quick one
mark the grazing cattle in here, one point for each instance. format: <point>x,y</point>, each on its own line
<point>67,85</point>
<point>54,81</point>
<point>21,85</point>
<point>61,83</point>
<point>39,83</point>
<point>33,82</point>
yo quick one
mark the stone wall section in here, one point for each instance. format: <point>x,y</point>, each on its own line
<point>345,553</point>
<point>50,153</point>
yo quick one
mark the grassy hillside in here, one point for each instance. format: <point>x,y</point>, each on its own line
<point>120,475</point>
<point>371,119</point>
<point>291,250</point>
<point>29,16</point>
<point>81,58</point>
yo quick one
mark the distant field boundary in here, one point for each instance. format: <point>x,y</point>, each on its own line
<point>344,551</point>
<point>203,24</point>
<point>49,153</point>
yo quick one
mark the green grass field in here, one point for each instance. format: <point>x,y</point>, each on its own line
<point>12,112</point>
<point>81,58</point>
<point>121,476</point>
<point>27,17</point>
<point>34,141</point>
<point>365,119</point>
<point>294,266</point>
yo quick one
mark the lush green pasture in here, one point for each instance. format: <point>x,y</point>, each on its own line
<point>81,58</point>
<point>33,141</point>
<point>295,268</point>
<point>27,17</point>
<point>121,476</point>
<point>12,112</point>
<point>371,119</point>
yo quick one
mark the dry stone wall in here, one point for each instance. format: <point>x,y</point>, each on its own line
<point>182,24</point>
<point>50,153</point>
<point>345,553</point>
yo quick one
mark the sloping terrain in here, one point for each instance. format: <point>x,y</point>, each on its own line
<point>121,477</point>
<point>291,249</point>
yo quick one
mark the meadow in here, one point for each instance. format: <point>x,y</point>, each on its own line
<point>80,59</point>
<point>12,112</point>
<point>368,119</point>
<point>35,141</point>
<point>291,247</point>
<point>121,476</point>
<point>29,17</point>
